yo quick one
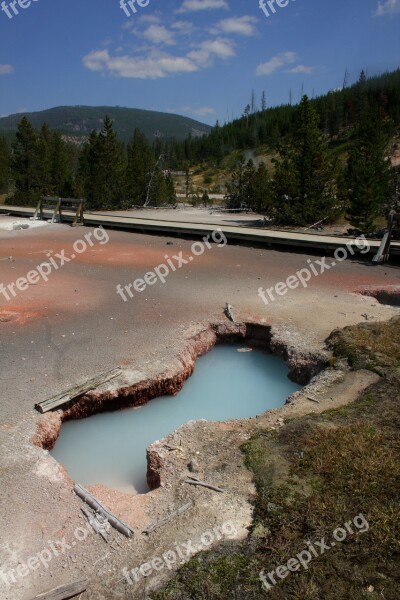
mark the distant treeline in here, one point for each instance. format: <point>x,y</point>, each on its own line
<point>310,183</point>
<point>337,111</point>
<point>331,159</point>
<point>108,174</point>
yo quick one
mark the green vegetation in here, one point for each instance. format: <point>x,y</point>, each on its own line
<point>368,174</point>
<point>304,175</point>
<point>327,158</point>
<point>339,112</point>
<point>108,175</point>
<point>332,155</point>
<point>373,346</point>
<point>310,182</point>
<point>249,187</point>
<point>5,165</point>
<point>313,475</point>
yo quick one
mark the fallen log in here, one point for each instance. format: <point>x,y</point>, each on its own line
<point>63,592</point>
<point>76,391</point>
<point>164,520</point>
<point>195,481</point>
<point>98,507</point>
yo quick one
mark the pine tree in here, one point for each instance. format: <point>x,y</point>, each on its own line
<point>162,189</point>
<point>369,174</point>
<point>363,78</point>
<point>170,189</point>
<point>105,170</point>
<point>263,102</point>
<point>261,197</point>
<point>112,167</point>
<point>45,158</point>
<point>345,79</point>
<point>308,193</point>
<point>141,163</point>
<point>240,190</point>
<point>26,168</point>
<point>61,167</point>
<point>85,181</point>
<point>249,173</point>
<point>247,111</point>
<point>253,102</point>
<point>284,190</point>
<point>206,199</point>
<point>187,181</point>
<point>216,144</point>
<point>5,165</point>
<point>236,188</point>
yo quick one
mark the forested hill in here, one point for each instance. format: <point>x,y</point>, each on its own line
<point>338,110</point>
<point>80,121</point>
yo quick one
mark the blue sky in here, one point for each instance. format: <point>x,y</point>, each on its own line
<point>200,58</point>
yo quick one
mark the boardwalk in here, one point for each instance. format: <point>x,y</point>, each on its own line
<point>237,233</point>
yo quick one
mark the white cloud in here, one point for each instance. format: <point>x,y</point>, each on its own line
<point>6,69</point>
<point>158,34</point>
<point>149,19</point>
<point>153,66</point>
<point>387,7</point>
<point>202,111</point>
<point>131,25</point>
<point>151,59</point>
<point>221,48</point>
<point>156,63</point>
<point>275,63</point>
<point>183,27</point>
<point>302,69</point>
<point>241,25</point>
<point>196,5</point>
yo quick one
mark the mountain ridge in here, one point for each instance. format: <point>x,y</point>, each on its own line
<point>79,121</point>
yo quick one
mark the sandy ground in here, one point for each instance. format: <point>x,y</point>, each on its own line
<point>65,330</point>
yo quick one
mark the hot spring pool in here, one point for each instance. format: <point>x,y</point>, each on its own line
<point>110,448</point>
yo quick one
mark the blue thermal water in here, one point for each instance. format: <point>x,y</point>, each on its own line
<point>110,448</point>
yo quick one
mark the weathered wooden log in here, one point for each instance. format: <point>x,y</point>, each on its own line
<point>164,520</point>
<point>63,592</point>
<point>195,481</point>
<point>76,391</point>
<point>98,507</point>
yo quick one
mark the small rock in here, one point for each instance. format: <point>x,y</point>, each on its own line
<point>194,466</point>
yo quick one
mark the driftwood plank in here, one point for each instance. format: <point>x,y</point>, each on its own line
<point>76,391</point>
<point>63,592</point>
<point>111,518</point>
<point>164,520</point>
